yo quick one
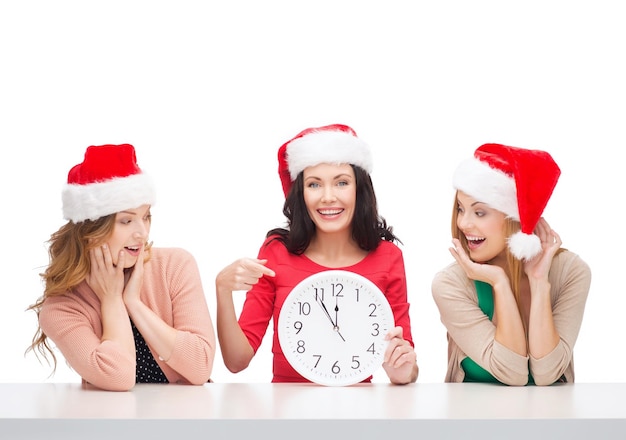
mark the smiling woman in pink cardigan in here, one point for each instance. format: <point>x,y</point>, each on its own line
<point>119,310</point>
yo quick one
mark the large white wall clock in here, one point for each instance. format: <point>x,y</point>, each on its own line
<point>332,327</point>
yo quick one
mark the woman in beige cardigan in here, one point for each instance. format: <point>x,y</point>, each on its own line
<point>513,301</point>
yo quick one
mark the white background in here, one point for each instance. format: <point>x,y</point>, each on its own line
<point>208,91</point>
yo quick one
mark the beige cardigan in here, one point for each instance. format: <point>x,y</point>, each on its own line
<point>471,333</point>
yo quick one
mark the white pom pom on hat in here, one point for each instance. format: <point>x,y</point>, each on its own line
<point>516,181</point>
<point>335,143</point>
<point>108,181</point>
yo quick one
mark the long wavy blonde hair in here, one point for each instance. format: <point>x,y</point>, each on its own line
<point>68,250</point>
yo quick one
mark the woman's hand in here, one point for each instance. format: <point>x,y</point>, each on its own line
<point>400,361</point>
<point>488,273</point>
<point>242,274</point>
<point>107,281</point>
<point>539,266</point>
<point>133,287</point>
<point>104,278</point>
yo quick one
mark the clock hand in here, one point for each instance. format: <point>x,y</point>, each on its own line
<point>321,303</point>
<point>337,319</point>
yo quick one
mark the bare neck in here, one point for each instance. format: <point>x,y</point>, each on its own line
<point>334,250</point>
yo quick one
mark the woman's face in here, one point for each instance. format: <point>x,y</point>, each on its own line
<point>130,234</point>
<point>330,196</point>
<point>482,226</point>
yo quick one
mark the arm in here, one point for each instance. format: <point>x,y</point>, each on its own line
<point>542,333</point>
<point>507,319</point>
<point>73,322</point>
<point>173,315</point>
<point>569,282</point>
<point>107,282</point>
<point>471,330</point>
<point>90,325</point>
<point>509,328</point>
<point>400,362</point>
<point>240,275</point>
<point>559,287</point>
<point>158,334</point>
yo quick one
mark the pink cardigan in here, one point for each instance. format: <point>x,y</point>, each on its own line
<point>172,288</point>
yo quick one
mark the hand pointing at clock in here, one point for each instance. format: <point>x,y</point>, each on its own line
<point>242,274</point>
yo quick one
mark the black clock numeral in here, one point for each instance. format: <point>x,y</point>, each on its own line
<point>337,289</point>
<point>373,312</point>
<point>355,363</point>
<point>300,348</point>
<point>371,349</point>
<point>304,308</point>
<point>376,330</point>
<point>298,326</point>
<point>358,293</point>
<point>319,358</point>
<point>319,293</point>
<point>335,368</point>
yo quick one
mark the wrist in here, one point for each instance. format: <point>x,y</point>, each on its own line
<point>132,303</point>
<point>537,284</point>
<point>501,284</point>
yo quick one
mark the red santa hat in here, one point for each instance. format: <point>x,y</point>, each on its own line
<point>515,181</point>
<point>334,143</point>
<point>106,182</point>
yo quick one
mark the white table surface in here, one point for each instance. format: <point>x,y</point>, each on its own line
<point>300,411</point>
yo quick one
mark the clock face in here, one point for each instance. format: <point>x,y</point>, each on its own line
<point>332,327</point>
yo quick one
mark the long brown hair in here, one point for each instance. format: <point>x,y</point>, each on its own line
<point>68,251</point>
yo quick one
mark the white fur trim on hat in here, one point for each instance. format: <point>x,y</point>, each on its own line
<point>95,200</point>
<point>487,185</point>
<point>524,246</point>
<point>327,147</point>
